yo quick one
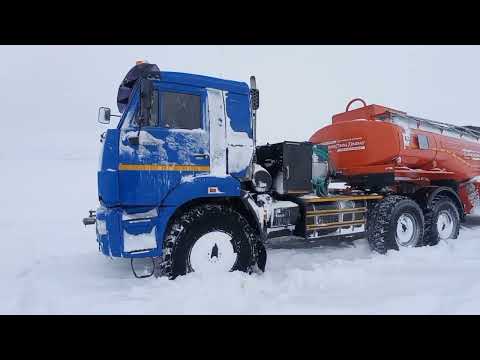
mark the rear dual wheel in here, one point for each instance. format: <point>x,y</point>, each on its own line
<point>442,221</point>
<point>398,221</point>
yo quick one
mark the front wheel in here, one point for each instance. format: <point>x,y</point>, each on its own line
<point>209,239</point>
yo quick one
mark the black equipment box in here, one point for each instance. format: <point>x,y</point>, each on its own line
<point>290,164</point>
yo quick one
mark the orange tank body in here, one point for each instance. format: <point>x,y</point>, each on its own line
<point>379,145</point>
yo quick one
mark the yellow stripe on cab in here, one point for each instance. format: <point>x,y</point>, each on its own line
<point>158,167</point>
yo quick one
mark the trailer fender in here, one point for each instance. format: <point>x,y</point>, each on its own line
<point>426,195</point>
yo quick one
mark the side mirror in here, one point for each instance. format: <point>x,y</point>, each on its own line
<point>104,114</point>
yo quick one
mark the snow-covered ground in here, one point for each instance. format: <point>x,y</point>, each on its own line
<point>50,262</point>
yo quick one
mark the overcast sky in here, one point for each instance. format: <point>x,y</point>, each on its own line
<point>47,90</point>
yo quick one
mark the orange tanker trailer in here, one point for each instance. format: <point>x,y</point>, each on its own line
<point>429,168</point>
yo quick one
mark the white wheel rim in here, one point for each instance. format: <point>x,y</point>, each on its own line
<point>445,225</point>
<point>406,230</point>
<point>213,252</point>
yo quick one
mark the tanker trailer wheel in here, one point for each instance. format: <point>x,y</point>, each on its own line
<point>209,239</point>
<point>442,221</point>
<point>395,222</point>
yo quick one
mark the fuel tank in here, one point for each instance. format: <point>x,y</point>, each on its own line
<point>378,141</point>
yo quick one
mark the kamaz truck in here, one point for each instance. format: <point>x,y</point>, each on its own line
<point>183,183</point>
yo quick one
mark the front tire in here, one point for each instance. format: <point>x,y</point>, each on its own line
<point>209,238</point>
<point>395,222</point>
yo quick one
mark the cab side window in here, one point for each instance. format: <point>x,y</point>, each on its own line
<point>170,110</point>
<point>133,115</point>
<point>153,121</point>
<point>130,118</point>
<point>180,111</point>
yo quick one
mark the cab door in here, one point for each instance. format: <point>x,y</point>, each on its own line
<point>174,145</point>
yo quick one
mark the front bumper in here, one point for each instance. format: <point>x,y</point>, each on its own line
<point>126,236</point>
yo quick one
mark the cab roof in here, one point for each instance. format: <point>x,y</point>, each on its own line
<point>204,82</point>
<point>142,68</point>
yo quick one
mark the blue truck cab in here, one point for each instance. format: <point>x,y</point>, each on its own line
<point>182,182</point>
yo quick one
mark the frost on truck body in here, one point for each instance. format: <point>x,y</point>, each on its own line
<point>184,143</point>
<point>240,147</point>
<point>218,146</point>
<point>145,139</point>
<point>177,147</point>
<point>222,136</point>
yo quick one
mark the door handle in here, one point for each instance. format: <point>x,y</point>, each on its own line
<point>200,156</point>
<point>133,140</point>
